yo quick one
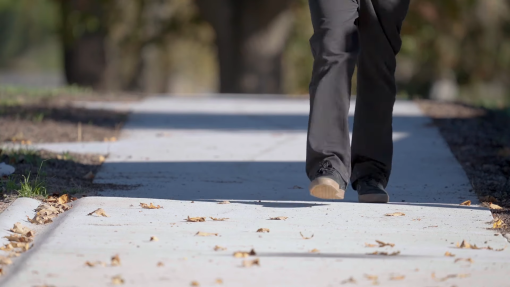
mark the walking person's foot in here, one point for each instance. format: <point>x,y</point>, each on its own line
<point>370,190</point>
<point>328,184</point>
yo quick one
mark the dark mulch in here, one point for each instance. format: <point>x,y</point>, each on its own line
<point>57,122</point>
<point>60,173</point>
<point>480,140</point>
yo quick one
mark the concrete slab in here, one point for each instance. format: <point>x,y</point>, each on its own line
<point>188,154</point>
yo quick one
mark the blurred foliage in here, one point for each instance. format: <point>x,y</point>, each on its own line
<point>463,45</point>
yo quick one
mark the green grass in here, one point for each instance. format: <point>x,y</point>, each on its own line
<point>10,184</point>
<point>16,95</point>
<point>30,156</point>
<point>32,188</point>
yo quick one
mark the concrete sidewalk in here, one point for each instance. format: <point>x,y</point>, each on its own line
<point>188,154</point>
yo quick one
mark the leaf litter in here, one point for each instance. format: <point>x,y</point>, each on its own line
<point>219,248</point>
<point>51,208</point>
<point>498,224</point>
<point>397,277</point>
<point>150,206</point>
<point>224,202</point>
<point>154,238</point>
<point>304,237</point>
<point>201,233</point>
<point>465,245</point>
<point>464,259</point>
<point>384,253</point>
<point>218,219</point>
<point>495,206</point>
<point>450,276</point>
<point>117,280</point>
<point>349,280</point>
<point>250,263</point>
<point>115,261</point>
<point>266,230</point>
<point>99,212</point>
<point>278,218</point>
<point>467,203</point>
<point>195,219</point>
<point>395,214</point>
<point>380,244</point>
<point>315,250</point>
<point>96,263</point>
<point>244,254</point>
<point>447,253</point>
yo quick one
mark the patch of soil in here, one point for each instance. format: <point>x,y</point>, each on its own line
<point>480,140</point>
<point>58,122</point>
<point>60,173</point>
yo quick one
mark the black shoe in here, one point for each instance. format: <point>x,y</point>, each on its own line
<point>328,184</point>
<point>370,190</point>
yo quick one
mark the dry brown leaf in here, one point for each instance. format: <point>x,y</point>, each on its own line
<point>23,230</point>
<point>464,244</point>
<point>117,280</point>
<point>63,199</point>
<point>194,283</point>
<point>383,244</point>
<point>115,260</point>
<point>5,260</point>
<point>495,206</point>
<point>304,237</point>
<point>498,224</point>
<point>219,248</point>
<point>447,253</point>
<point>395,214</point>
<point>371,245</point>
<point>371,277</point>
<point>464,259</point>
<point>250,263</point>
<point>266,230</point>
<point>397,277</point>
<point>99,212</point>
<point>150,206</point>
<point>90,175</point>
<point>219,281</point>
<point>14,254</point>
<point>467,202</point>
<point>97,263</point>
<point>1,271</point>
<point>40,220</point>
<point>160,264</point>
<point>200,233</point>
<point>218,219</point>
<point>101,159</point>
<point>154,238</point>
<point>449,277</point>
<point>244,254</point>
<point>195,219</point>
<point>278,218</point>
<point>224,202</point>
<point>350,280</point>
<point>7,247</point>
<point>18,238</point>
<point>315,250</point>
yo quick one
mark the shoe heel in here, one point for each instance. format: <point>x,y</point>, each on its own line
<point>326,188</point>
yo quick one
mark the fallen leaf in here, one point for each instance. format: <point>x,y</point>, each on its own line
<point>495,206</point>
<point>218,219</point>
<point>195,283</point>
<point>263,230</point>
<point>99,212</point>
<point>200,233</point>
<point>5,260</point>
<point>315,250</point>
<point>371,245</point>
<point>219,248</point>
<point>101,159</point>
<point>464,244</point>
<point>14,254</point>
<point>90,175</point>
<point>195,219</point>
<point>383,244</point>
<point>117,280</point>
<point>278,218</point>
<point>395,214</point>
<point>371,277</point>
<point>7,247</point>
<point>498,224</point>
<point>350,280</point>
<point>449,277</point>
<point>244,254</point>
<point>250,263</point>
<point>150,206</point>
<point>115,260</point>
<point>18,238</point>
<point>464,259</point>
<point>447,253</point>
<point>154,238</point>
<point>63,199</point>
<point>1,271</point>
<point>384,253</point>
<point>397,277</point>
<point>40,220</point>
<point>23,230</point>
<point>219,281</point>
<point>160,264</point>
<point>467,202</point>
<point>304,237</point>
<point>224,202</point>
<point>93,264</point>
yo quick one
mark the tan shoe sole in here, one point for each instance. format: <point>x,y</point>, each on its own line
<point>326,188</point>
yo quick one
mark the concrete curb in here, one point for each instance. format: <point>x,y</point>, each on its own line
<point>17,212</point>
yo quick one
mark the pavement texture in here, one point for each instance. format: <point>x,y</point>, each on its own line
<point>189,154</point>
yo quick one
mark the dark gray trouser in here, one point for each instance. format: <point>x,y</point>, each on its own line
<point>346,32</point>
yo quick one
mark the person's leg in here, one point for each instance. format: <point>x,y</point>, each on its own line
<point>335,48</point>
<point>379,27</point>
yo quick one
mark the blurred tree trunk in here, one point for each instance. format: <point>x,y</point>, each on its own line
<point>82,37</point>
<point>250,38</point>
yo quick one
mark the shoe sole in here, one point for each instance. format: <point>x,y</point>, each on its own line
<point>374,198</point>
<point>326,188</point>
